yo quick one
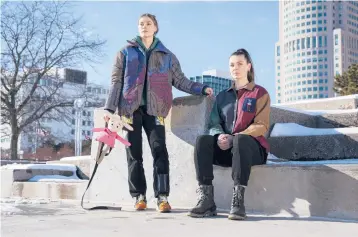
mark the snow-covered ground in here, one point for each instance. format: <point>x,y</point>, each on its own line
<point>272,159</point>
<point>71,158</point>
<point>55,178</point>
<point>293,129</point>
<point>63,167</point>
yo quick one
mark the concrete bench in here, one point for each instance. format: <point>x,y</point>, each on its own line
<point>299,190</point>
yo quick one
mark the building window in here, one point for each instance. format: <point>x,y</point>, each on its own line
<point>335,39</point>
<point>72,131</point>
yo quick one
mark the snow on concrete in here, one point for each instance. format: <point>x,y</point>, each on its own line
<point>62,167</point>
<point>355,96</point>
<point>70,158</point>
<point>294,129</point>
<point>318,112</point>
<point>55,178</point>
<point>22,200</point>
<point>320,162</point>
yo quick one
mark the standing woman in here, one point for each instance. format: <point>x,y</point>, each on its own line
<point>141,91</point>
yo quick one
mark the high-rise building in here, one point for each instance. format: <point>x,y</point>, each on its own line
<point>218,80</point>
<point>317,40</point>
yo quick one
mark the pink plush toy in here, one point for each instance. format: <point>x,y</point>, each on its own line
<point>107,136</point>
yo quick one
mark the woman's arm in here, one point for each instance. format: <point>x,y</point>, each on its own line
<point>116,85</point>
<point>181,82</point>
<point>262,118</point>
<point>215,127</point>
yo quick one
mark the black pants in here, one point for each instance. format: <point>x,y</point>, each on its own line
<point>156,137</point>
<point>245,153</point>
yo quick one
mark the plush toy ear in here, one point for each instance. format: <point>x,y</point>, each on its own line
<point>129,127</point>
<point>110,116</point>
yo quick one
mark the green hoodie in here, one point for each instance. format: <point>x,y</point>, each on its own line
<point>147,54</point>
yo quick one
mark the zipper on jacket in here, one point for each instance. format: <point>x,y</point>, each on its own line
<point>235,113</point>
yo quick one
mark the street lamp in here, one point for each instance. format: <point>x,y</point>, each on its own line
<point>78,106</point>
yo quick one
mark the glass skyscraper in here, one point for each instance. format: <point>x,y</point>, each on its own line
<point>215,79</point>
<point>318,39</point>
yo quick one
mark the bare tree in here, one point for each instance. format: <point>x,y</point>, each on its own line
<point>38,38</point>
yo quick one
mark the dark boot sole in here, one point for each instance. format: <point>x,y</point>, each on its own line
<point>206,214</point>
<point>236,217</point>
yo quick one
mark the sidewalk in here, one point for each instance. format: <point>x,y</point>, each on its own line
<point>63,219</point>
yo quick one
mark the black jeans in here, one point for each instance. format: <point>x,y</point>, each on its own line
<point>245,153</point>
<point>155,131</point>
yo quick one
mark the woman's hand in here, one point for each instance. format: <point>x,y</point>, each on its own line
<point>225,141</point>
<point>209,91</point>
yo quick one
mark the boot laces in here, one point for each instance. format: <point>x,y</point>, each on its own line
<point>201,195</point>
<point>236,197</point>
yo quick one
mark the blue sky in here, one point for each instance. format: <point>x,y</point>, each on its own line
<point>201,34</point>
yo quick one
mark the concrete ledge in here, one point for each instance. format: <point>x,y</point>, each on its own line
<point>297,190</point>
<point>26,172</point>
<point>48,190</point>
<point>83,163</point>
<point>338,120</point>
<point>314,119</point>
<point>325,147</point>
<point>281,115</point>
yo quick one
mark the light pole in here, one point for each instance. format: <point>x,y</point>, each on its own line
<point>78,105</point>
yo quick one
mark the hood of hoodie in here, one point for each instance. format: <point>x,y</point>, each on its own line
<point>156,45</point>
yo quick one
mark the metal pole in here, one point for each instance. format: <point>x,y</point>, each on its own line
<point>78,105</point>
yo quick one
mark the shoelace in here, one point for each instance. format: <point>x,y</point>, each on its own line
<point>201,195</point>
<point>236,197</point>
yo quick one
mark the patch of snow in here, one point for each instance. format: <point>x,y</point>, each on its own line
<point>271,156</point>
<point>63,167</point>
<point>355,96</point>
<point>320,162</point>
<point>76,158</point>
<point>9,209</point>
<point>54,178</point>
<point>318,112</point>
<point>294,129</point>
<point>22,200</point>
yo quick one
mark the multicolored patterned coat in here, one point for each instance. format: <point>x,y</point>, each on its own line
<point>163,72</point>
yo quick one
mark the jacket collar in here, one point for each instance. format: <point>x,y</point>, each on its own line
<point>250,86</point>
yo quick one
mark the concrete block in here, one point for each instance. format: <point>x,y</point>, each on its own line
<point>338,120</point>
<point>296,190</point>
<point>323,147</point>
<point>187,120</point>
<point>280,115</point>
<point>49,190</point>
<point>26,174</point>
<point>83,164</point>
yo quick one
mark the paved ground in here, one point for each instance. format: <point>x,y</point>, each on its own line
<point>61,219</point>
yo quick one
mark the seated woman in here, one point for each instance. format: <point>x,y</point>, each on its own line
<point>238,122</point>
